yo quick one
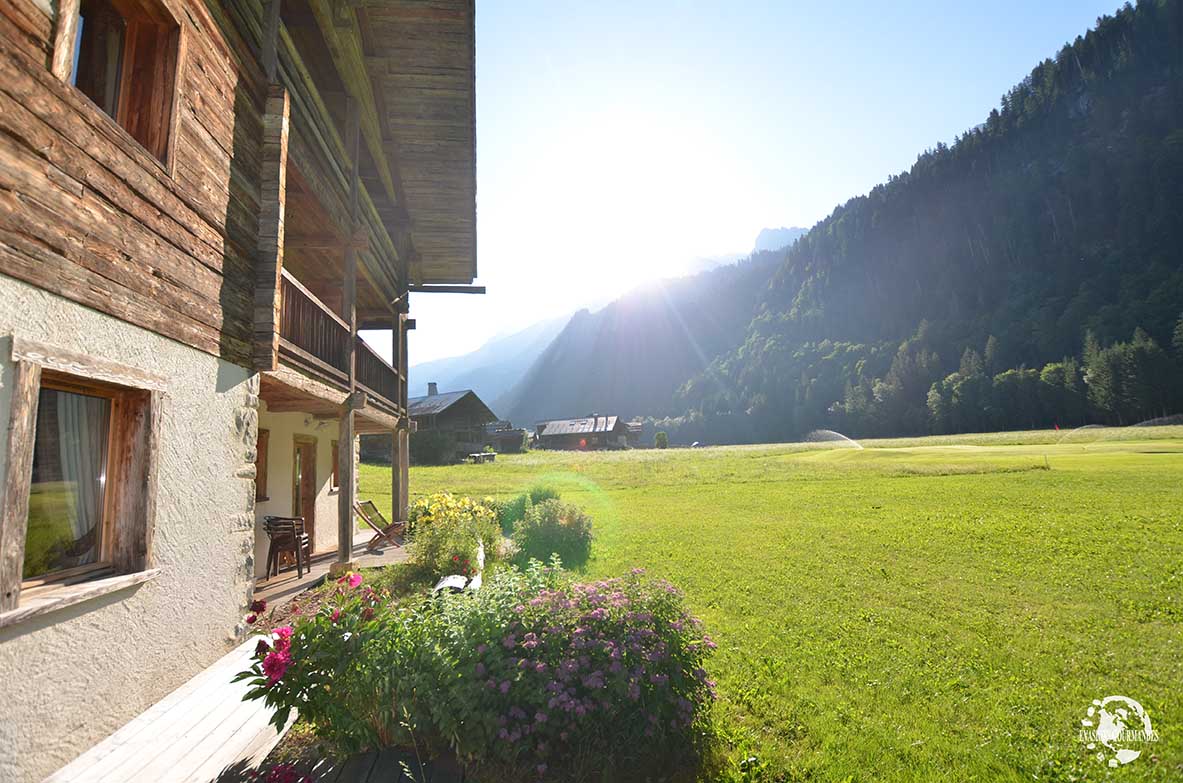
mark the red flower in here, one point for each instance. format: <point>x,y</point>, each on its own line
<point>336,615</point>
<point>367,613</point>
<point>259,605</point>
<point>455,558</point>
<point>250,619</point>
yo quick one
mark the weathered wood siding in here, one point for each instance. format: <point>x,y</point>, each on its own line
<point>89,214</point>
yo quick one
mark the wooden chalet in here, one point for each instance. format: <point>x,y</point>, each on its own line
<point>201,203</point>
<point>460,415</point>
<point>589,432</point>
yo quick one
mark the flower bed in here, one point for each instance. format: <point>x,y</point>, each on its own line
<point>521,680</point>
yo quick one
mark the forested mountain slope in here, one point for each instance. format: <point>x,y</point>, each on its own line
<point>1059,217</point>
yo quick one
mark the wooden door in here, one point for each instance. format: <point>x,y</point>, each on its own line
<point>304,484</point>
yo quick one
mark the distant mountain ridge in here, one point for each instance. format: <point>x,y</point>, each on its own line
<point>778,238</point>
<point>630,358</point>
<point>491,369</point>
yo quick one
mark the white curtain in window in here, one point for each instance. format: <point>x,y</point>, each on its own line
<point>82,437</point>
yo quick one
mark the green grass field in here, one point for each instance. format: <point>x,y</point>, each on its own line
<point>927,609</point>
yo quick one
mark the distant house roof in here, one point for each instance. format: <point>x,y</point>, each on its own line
<point>584,426</point>
<point>433,404</point>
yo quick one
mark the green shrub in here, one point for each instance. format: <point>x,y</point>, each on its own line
<point>509,512</point>
<point>447,531</point>
<point>661,440</point>
<point>526,679</point>
<point>554,527</point>
<point>432,447</point>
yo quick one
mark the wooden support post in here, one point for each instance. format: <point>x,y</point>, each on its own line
<point>401,501</point>
<point>346,467</point>
<point>269,258</point>
<point>270,53</point>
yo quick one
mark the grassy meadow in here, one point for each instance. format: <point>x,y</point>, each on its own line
<point>923,609</point>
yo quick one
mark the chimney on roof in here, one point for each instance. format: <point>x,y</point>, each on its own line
<point>432,389</point>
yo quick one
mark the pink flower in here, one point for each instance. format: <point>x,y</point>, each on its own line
<point>336,615</point>
<point>355,580</point>
<point>283,638</point>
<point>275,665</point>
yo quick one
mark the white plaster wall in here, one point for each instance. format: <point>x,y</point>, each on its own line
<point>280,468</point>
<point>71,677</point>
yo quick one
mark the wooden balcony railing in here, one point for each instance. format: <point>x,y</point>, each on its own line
<point>317,339</point>
<point>376,375</point>
<point>312,332</point>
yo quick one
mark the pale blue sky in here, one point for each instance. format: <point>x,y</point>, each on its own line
<point>619,141</point>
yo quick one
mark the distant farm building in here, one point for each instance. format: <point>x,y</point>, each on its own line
<point>590,432</point>
<point>458,417</point>
<point>448,427</point>
<point>505,438</point>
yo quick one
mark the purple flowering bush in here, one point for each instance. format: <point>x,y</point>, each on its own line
<point>537,670</point>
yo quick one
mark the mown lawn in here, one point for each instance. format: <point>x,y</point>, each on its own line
<point>916,610</point>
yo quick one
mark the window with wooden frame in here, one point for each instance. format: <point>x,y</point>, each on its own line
<point>261,466</point>
<point>123,55</point>
<point>77,514</point>
<point>335,482</point>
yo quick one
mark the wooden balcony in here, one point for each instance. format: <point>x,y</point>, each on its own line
<point>314,339</point>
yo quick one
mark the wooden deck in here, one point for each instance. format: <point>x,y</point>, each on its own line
<point>190,736</point>
<point>287,584</point>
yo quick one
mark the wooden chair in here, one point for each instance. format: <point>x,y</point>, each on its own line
<point>383,530</point>
<point>287,534</point>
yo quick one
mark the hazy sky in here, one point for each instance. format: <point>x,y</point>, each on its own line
<point>619,141</point>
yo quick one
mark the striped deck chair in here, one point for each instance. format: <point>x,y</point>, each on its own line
<point>383,531</point>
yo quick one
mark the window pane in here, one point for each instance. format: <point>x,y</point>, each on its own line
<point>100,53</point>
<point>69,482</point>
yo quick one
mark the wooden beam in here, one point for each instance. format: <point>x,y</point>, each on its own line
<point>329,242</point>
<point>344,45</point>
<point>14,504</point>
<point>270,242</point>
<point>446,289</point>
<point>92,368</point>
<point>270,56</point>
<point>356,401</point>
